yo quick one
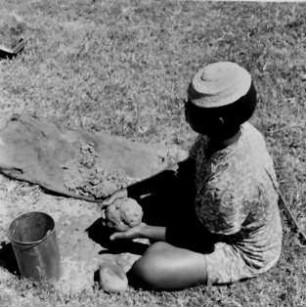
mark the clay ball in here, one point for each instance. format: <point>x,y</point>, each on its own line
<point>123,214</point>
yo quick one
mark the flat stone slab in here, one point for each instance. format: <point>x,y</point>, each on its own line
<point>77,163</point>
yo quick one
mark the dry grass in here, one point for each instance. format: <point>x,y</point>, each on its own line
<point>123,66</point>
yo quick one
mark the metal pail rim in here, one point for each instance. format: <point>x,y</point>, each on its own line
<point>25,215</point>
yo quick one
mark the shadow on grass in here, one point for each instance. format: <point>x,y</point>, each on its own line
<point>100,234</point>
<point>7,258</point>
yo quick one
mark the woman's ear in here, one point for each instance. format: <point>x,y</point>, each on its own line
<point>221,121</point>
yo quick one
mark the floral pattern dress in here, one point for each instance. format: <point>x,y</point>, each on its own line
<point>236,200</point>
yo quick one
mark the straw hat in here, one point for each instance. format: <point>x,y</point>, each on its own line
<point>219,84</point>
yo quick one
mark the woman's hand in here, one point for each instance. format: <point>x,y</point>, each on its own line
<point>156,233</point>
<point>132,233</point>
<point>117,195</point>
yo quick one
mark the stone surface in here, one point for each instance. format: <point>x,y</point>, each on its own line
<point>112,277</point>
<point>76,163</point>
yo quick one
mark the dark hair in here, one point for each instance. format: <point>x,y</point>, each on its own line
<point>233,114</point>
<point>241,110</point>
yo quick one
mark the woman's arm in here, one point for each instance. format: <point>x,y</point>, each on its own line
<point>156,233</point>
<point>165,180</point>
<point>153,184</point>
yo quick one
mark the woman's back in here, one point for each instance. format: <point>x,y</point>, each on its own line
<point>236,198</point>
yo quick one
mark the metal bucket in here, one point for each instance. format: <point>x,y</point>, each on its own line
<point>35,246</point>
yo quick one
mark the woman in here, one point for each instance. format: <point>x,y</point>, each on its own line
<point>229,227</point>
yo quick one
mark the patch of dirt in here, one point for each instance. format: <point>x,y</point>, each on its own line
<point>80,254</point>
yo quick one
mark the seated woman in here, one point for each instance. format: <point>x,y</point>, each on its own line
<point>224,224</point>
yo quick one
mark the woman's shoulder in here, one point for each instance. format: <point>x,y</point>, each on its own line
<point>252,134</point>
<point>241,167</point>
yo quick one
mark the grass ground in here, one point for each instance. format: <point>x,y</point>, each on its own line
<point>124,66</point>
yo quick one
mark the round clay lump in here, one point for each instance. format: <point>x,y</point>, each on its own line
<point>123,214</point>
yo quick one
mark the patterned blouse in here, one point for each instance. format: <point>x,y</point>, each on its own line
<point>236,199</point>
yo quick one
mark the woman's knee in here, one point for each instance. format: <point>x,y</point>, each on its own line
<point>150,270</point>
<point>167,267</point>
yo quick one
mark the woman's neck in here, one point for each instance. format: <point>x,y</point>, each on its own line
<point>218,142</point>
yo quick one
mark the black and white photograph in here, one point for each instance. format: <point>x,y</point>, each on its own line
<point>152,153</point>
